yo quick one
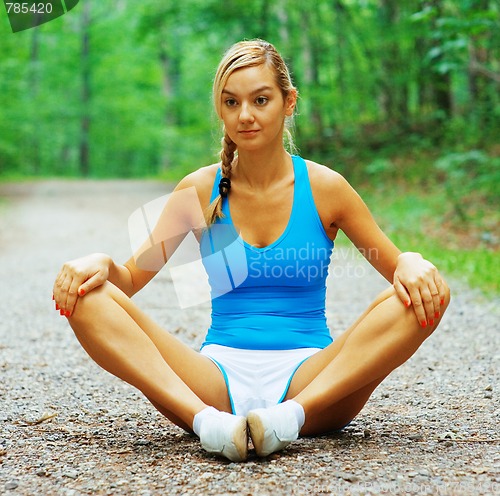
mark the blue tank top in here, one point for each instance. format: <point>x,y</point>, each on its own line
<point>270,298</point>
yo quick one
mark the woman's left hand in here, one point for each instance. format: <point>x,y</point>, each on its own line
<point>417,282</point>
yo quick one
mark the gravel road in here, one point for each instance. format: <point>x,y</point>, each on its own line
<point>69,428</point>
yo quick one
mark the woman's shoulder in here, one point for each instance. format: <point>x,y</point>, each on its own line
<point>324,179</point>
<point>332,194</point>
<point>202,180</point>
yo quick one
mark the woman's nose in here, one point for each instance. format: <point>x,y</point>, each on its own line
<point>246,114</point>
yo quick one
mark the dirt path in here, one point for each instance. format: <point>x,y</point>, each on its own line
<point>68,428</point>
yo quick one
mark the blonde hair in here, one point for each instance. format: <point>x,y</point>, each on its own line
<point>241,55</point>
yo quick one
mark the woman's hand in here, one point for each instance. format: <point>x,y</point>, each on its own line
<point>417,282</point>
<point>77,277</point>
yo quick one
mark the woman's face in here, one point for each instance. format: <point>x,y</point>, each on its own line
<point>253,108</point>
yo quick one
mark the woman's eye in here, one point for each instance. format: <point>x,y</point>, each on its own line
<point>262,100</point>
<point>230,102</point>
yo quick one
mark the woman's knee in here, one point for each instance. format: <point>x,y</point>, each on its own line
<point>89,306</point>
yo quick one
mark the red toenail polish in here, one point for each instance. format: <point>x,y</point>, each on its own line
<point>436,315</point>
<point>431,322</point>
<point>81,292</point>
<point>423,323</point>
<point>57,307</point>
<point>67,313</point>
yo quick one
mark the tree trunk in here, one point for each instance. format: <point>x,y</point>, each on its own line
<point>389,62</point>
<point>340,22</point>
<point>441,82</point>
<point>171,83</point>
<point>482,89</point>
<point>311,73</point>
<point>282,15</point>
<point>34,90</point>
<point>85,120</point>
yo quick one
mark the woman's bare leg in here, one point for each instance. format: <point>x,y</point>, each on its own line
<point>124,341</point>
<point>333,385</point>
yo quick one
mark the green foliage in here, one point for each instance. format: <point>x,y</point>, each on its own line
<point>416,219</point>
<point>469,176</point>
<point>129,86</point>
<point>379,168</point>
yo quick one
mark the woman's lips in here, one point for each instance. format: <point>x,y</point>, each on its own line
<point>249,132</point>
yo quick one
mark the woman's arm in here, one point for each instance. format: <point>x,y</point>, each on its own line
<point>181,213</point>
<point>80,276</point>
<point>416,281</point>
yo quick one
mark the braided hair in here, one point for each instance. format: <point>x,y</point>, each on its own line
<point>227,158</point>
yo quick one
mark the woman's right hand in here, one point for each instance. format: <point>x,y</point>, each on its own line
<point>77,277</point>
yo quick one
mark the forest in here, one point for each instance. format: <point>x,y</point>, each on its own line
<point>393,93</point>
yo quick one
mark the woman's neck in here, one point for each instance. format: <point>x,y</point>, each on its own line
<point>259,170</point>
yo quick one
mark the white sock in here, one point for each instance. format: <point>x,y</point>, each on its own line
<point>298,411</point>
<point>200,416</point>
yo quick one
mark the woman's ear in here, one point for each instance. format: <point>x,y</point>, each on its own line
<point>291,102</point>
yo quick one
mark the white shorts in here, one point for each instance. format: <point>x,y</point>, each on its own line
<point>256,378</point>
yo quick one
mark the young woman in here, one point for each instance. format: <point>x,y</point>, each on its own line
<point>268,366</point>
